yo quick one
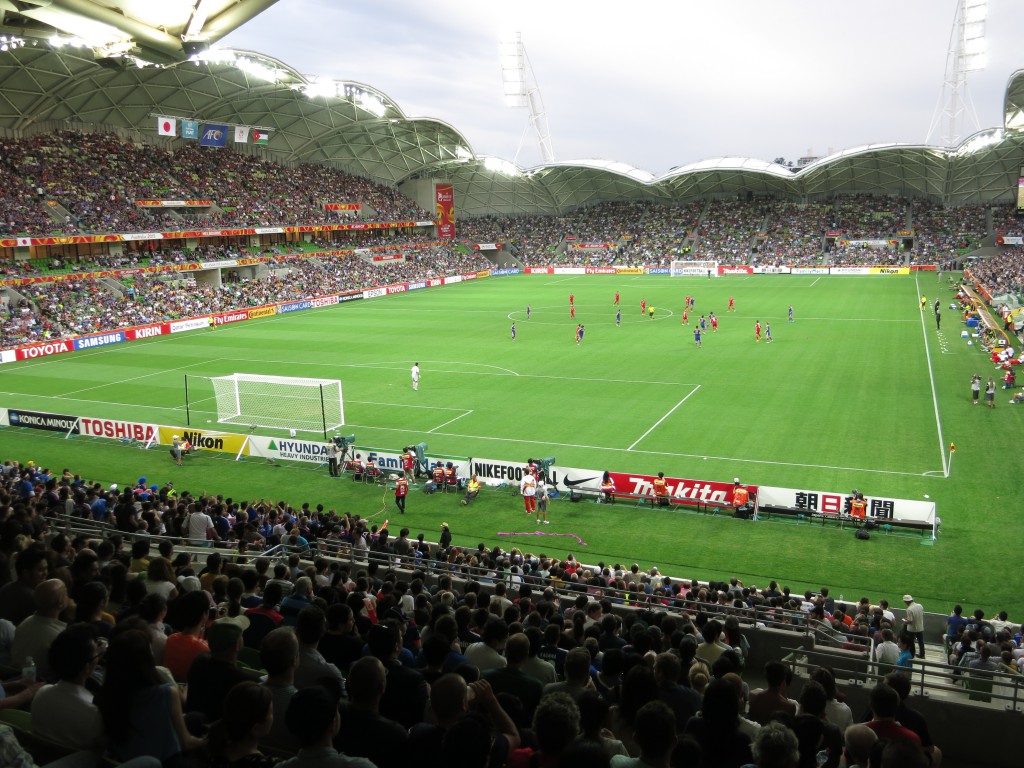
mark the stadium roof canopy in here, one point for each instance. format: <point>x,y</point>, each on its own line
<point>160,31</point>
<point>357,128</point>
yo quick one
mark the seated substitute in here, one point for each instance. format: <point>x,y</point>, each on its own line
<point>438,476</point>
<point>451,478</point>
<point>355,466</point>
<point>661,490</point>
<point>472,490</point>
<point>608,488</point>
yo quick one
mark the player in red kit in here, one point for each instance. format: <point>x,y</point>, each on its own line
<point>714,322</point>
<point>757,331</point>
<point>572,299</point>
<point>616,298</point>
<point>686,318</point>
<point>643,306</point>
<point>732,305</point>
<point>572,310</point>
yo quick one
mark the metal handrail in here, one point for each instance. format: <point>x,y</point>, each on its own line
<point>927,678</point>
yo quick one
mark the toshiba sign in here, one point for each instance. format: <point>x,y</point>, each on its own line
<point>121,430</point>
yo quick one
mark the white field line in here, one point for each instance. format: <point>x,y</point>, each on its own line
<point>764,462</point>
<point>530,442</point>
<point>404,405</point>
<point>429,431</point>
<point>506,372</point>
<point>136,378</point>
<point>671,411</point>
<point>931,378</point>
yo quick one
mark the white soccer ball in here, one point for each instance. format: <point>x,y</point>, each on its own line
<point>209,421</point>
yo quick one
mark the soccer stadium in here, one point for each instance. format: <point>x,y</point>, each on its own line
<point>282,368</point>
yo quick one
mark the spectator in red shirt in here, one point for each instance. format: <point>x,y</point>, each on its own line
<point>183,646</point>
<point>885,701</point>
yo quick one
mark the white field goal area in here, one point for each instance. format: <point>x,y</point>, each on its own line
<point>274,402</point>
<point>693,268</point>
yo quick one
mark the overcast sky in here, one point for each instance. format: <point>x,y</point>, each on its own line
<point>653,84</point>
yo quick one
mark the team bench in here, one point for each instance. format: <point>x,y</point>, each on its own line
<point>844,520</point>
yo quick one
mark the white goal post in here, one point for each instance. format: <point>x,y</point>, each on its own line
<point>275,402</point>
<point>693,268</point>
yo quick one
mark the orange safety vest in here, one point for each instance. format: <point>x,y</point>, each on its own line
<point>740,496</point>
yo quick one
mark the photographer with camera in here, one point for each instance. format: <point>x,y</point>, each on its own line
<point>333,451</point>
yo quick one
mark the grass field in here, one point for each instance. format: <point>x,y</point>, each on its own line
<point>860,391</point>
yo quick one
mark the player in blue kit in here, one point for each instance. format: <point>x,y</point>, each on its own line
<point>579,334</point>
<point>513,331</point>
<point>529,310</point>
<point>696,336</point>
<point>791,313</point>
<point>618,317</point>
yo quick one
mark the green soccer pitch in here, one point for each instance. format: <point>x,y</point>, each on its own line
<point>861,391</point>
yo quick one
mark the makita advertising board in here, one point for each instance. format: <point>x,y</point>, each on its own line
<point>51,422</point>
<point>697,491</point>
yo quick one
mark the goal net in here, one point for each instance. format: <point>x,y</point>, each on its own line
<point>311,405</point>
<point>692,268</point>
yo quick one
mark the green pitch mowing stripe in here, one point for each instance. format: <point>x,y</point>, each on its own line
<point>859,392</point>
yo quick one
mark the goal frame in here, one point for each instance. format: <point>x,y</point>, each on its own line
<point>322,402</point>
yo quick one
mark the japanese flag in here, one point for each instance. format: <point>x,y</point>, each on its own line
<point>167,126</point>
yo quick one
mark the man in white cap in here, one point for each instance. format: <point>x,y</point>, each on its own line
<point>176,447</point>
<point>913,623</point>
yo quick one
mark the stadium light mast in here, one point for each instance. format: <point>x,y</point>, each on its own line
<point>522,91</point>
<point>966,54</point>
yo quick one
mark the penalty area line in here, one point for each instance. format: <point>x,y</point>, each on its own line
<point>655,426</point>
<point>449,421</point>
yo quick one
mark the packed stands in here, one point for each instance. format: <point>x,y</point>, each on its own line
<point>92,305</point>
<point>941,232</point>
<point>69,182</point>
<point>794,235</point>
<point>203,590</point>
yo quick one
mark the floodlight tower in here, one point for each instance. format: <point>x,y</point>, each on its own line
<point>522,91</point>
<point>966,54</point>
